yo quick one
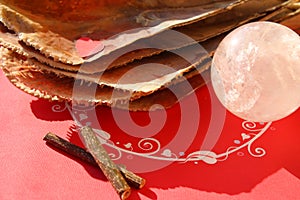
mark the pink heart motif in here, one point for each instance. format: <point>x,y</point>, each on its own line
<point>82,116</point>
<point>167,153</point>
<point>128,145</point>
<point>245,136</point>
<point>88,47</point>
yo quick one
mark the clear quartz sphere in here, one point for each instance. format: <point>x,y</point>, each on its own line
<point>256,71</point>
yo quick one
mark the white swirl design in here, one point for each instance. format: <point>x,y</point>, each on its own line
<point>146,144</point>
<point>58,108</point>
<point>209,157</point>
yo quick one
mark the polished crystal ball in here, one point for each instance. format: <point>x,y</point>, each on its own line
<point>256,71</point>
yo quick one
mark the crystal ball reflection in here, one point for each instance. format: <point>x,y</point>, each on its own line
<point>256,71</point>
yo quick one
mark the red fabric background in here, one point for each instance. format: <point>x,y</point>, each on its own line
<point>30,169</point>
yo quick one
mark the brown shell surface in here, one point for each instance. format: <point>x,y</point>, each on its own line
<point>49,37</point>
<point>113,22</point>
<point>139,78</point>
<point>50,86</point>
<point>42,60</point>
<point>200,31</point>
<point>293,23</point>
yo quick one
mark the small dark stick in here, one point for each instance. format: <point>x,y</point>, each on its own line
<point>69,148</point>
<point>132,179</point>
<point>109,168</point>
<point>74,150</point>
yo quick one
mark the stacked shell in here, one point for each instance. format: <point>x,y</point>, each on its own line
<point>148,53</point>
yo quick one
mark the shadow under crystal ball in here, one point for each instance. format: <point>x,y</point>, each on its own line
<point>256,71</point>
